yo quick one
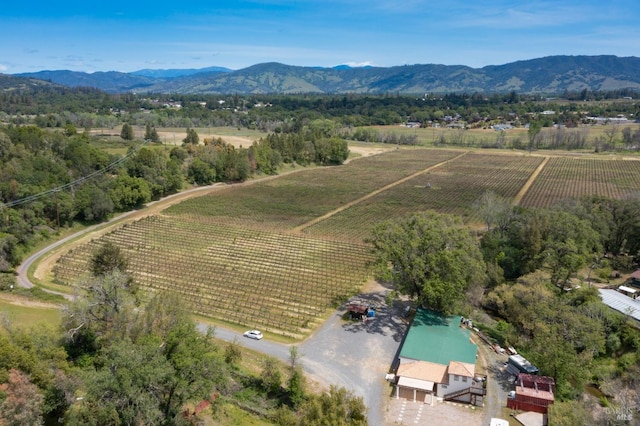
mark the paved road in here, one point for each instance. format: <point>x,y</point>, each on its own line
<point>344,353</point>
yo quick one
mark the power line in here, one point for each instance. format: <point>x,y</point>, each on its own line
<point>78,181</point>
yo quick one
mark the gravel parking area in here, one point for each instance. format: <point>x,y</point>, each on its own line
<point>357,355</point>
<point>406,412</point>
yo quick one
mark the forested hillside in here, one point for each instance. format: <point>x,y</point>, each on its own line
<point>550,75</point>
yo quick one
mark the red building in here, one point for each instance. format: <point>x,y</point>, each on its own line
<point>532,393</point>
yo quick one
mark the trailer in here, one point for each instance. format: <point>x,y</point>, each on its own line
<point>518,364</point>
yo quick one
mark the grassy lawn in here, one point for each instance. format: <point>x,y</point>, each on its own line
<point>27,313</point>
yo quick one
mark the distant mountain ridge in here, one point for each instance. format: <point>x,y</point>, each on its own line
<point>552,74</point>
<point>177,72</point>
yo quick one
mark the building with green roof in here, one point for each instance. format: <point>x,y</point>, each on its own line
<point>435,338</point>
<point>438,359</point>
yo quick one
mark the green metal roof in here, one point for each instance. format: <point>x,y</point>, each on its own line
<point>435,338</point>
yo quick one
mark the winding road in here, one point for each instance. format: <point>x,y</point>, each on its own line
<point>353,355</point>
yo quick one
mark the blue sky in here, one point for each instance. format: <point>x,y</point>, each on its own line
<point>127,36</point>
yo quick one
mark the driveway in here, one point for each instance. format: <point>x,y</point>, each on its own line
<point>351,354</point>
<point>357,355</point>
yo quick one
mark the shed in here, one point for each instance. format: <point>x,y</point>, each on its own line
<point>533,393</point>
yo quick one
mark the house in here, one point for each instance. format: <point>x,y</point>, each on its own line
<point>438,360</point>
<point>532,393</point>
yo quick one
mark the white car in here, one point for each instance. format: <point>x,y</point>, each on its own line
<point>253,334</point>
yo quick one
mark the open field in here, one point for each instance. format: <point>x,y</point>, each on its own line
<point>474,137</point>
<point>24,312</point>
<point>278,253</point>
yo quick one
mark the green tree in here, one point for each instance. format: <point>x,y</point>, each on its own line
<point>70,130</point>
<point>429,256</point>
<point>151,134</point>
<point>126,390</point>
<point>103,311</point>
<point>296,386</point>
<point>130,192</point>
<point>271,375</point>
<point>127,132</point>
<point>568,245</point>
<point>338,407</point>
<point>92,203</point>
<point>200,172</point>
<point>192,137</point>
<point>107,259</point>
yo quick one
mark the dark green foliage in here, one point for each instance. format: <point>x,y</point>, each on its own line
<point>9,254</point>
<point>296,387</point>
<point>192,137</point>
<point>162,174</point>
<point>108,259</point>
<point>533,239</point>
<point>271,376</point>
<point>263,158</point>
<point>430,257</point>
<point>200,172</point>
<point>127,132</point>
<point>146,365</point>
<point>130,192</point>
<point>151,134</point>
<point>337,407</point>
<point>562,336</point>
<point>332,151</point>
<point>93,203</point>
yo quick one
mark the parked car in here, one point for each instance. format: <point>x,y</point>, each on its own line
<point>253,334</point>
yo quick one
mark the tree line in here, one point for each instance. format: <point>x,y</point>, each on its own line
<point>82,183</point>
<point>528,280</point>
<point>85,107</point>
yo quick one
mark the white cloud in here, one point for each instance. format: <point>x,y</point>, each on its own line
<point>3,67</point>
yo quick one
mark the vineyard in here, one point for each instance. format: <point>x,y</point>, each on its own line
<point>565,177</point>
<point>279,283</point>
<point>253,255</point>
<point>451,188</point>
<point>284,203</point>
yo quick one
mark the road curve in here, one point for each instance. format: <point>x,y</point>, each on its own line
<point>341,354</point>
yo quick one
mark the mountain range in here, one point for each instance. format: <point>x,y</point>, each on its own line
<point>548,75</point>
